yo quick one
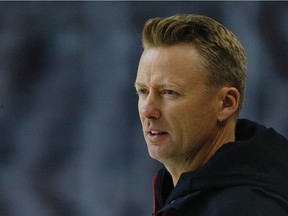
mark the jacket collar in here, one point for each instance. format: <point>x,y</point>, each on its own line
<point>257,158</point>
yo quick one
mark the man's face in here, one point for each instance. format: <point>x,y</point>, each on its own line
<point>177,112</point>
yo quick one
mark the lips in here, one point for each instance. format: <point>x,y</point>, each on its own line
<point>156,135</point>
<point>155,132</point>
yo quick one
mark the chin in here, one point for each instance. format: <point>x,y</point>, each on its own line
<point>155,154</point>
<point>158,154</point>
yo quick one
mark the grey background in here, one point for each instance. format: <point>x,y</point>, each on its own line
<point>70,139</point>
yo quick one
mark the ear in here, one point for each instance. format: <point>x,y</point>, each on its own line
<point>229,103</point>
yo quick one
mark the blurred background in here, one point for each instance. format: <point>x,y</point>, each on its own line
<point>70,139</point>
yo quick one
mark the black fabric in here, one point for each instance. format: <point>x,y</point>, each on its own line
<point>246,177</point>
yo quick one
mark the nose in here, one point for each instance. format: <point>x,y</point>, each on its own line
<point>149,107</point>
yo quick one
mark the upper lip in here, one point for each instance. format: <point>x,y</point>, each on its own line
<point>155,131</point>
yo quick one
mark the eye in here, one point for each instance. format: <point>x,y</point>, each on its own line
<point>169,93</point>
<point>142,92</point>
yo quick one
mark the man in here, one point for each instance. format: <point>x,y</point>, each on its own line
<point>191,81</point>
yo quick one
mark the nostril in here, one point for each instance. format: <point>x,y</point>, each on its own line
<point>151,113</point>
<point>149,108</point>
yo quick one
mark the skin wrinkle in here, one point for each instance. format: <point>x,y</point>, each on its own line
<point>194,117</point>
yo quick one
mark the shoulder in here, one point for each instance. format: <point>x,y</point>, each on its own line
<point>236,201</point>
<point>246,200</point>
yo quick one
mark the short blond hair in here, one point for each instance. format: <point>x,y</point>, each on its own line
<point>223,55</point>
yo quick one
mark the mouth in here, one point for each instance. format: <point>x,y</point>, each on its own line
<point>154,132</point>
<point>156,135</point>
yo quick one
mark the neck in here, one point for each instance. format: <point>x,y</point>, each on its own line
<point>189,163</point>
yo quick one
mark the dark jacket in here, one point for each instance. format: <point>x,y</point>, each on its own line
<point>248,177</point>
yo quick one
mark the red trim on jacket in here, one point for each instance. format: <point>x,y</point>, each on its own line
<point>155,208</point>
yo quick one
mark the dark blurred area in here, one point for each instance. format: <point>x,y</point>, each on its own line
<point>70,139</point>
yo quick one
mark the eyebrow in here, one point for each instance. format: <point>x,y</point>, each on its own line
<point>161,85</point>
<point>136,84</point>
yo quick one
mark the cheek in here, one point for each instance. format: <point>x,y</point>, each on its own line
<point>141,119</point>
<point>182,120</point>
<point>139,111</point>
<point>184,113</point>
<point>139,106</point>
<point>190,120</point>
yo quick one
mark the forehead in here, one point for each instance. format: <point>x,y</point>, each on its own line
<point>173,65</point>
